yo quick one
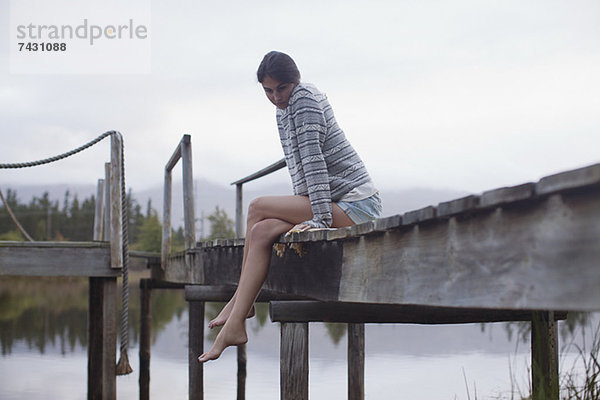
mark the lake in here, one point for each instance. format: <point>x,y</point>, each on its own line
<point>44,351</point>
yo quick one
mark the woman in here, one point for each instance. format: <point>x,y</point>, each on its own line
<point>332,188</point>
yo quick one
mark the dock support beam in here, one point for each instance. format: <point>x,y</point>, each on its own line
<point>544,356</point>
<point>102,333</point>
<point>145,337</point>
<point>294,361</point>
<point>196,341</point>
<point>356,361</point>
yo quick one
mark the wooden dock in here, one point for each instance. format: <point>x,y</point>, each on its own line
<point>101,261</point>
<point>524,253</point>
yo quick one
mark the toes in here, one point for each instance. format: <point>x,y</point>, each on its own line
<point>206,357</point>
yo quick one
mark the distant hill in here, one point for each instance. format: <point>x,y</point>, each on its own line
<point>209,194</point>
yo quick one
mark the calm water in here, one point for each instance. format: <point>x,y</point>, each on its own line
<point>44,352</point>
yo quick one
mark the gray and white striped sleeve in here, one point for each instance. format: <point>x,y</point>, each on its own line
<point>311,129</point>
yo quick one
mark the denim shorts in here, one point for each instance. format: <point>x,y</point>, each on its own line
<point>362,210</point>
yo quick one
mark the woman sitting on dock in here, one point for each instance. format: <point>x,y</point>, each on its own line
<point>332,188</point>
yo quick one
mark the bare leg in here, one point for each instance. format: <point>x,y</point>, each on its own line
<point>220,319</point>
<point>294,209</point>
<point>259,241</point>
<point>255,273</point>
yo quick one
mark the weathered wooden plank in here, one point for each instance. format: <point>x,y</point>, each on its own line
<point>56,259</point>
<point>116,199</point>
<point>196,348</point>
<point>239,211</point>
<point>423,214</point>
<point>535,254</point>
<point>294,361</point>
<point>356,361</point>
<point>541,255</point>
<point>316,311</point>
<point>507,195</point>
<point>102,337</point>
<point>176,155</point>
<point>99,211</point>
<point>225,292</point>
<point>314,266</point>
<point>337,234</point>
<point>277,165</point>
<point>544,357</point>
<point>188,192</point>
<point>384,224</point>
<point>166,227</point>
<point>362,229</point>
<point>573,179</point>
<point>106,227</point>
<point>453,207</point>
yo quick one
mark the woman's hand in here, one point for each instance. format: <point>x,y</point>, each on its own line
<point>298,228</point>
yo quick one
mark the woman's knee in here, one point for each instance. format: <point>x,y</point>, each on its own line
<point>256,210</point>
<point>266,231</point>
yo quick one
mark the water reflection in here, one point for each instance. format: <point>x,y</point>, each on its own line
<point>47,311</point>
<point>42,311</point>
<point>48,316</point>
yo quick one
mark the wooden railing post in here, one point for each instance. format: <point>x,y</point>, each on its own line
<point>294,361</point>
<point>188,192</point>
<point>99,211</point>
<point>183,152</point>
<point>544,356</point>
<point>166,228</point>
<point>356,361</point>
<point>106,228</point>
<point>116,211</point>
<point>102,302</point>
<point>242,358</point>
<point>239,211</point>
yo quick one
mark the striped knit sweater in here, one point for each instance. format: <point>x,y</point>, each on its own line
<point>322,163</point>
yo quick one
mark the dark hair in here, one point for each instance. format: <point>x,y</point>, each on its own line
<point>278,66</point>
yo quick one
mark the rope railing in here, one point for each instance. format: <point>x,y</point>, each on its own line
<point>58,157</point>
<point>123,367</point>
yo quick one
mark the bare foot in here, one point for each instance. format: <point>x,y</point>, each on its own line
<point>224,314</point>
<point>230,335</point>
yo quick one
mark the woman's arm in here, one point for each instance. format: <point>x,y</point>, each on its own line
<point>311,128</point>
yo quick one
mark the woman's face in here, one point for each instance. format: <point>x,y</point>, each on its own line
<point>278,93</point>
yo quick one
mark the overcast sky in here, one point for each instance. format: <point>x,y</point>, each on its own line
<point>468,95</point>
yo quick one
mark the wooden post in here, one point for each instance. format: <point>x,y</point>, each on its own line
<point>145,337</point>
<point>99,211</point>
<point>544,356</point>
<point>356,361</point>
<point>188,192</point>
<point>241,372</point>
<point>102,337</point>
<point>166,228</point>
<point>116,212</point>
<point>239,211</point>
<point>196,348</point>
<point>294,361</point>
<point>106,227</point>
<point>183,151</point>
<point>242,358</point>
<point>102,324</point>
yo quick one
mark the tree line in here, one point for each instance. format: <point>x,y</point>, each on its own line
<point>73,220</point>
